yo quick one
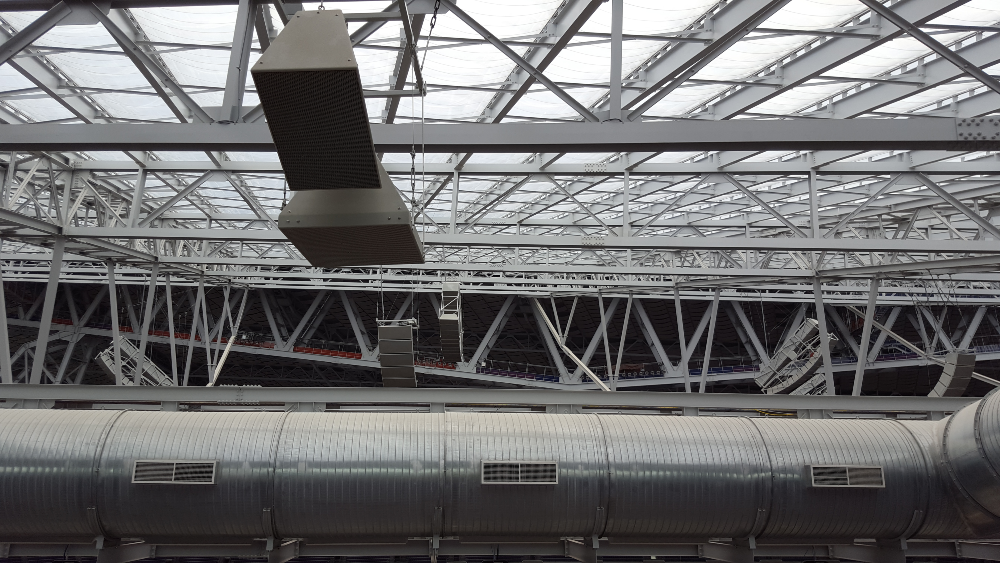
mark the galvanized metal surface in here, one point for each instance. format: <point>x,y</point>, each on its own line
<point>243,443</point>
<point>663,469</point>
<point>386,477</point>
<point>235,395</point>
<point>48,472</point>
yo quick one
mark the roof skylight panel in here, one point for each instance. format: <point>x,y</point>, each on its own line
<point>474,64</point>
<point>493,158</point>
<point>685,100</point>
<point>587,59</point>
<point>927,100</point>
<point>193,25</point>
<point>793,100</point>
<point>38,109</point>
<point>109,155</point>
<point>975,12</point>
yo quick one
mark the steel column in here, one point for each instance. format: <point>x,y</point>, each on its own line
<point>357,325</point>
<point>147,317</point>
<point>456,178</point>
<point>653,339</point>
<point>198,302</point>
<point>6,375</point>
<point>115,331</point>
<point>239,60</point>
<point>595,341</point>
<point>824,337</point>
<point>137,194</point>
<point>615,79</point>
<point>491,335</point>
<point>708,341</point>
<point>680,337</point>
<point>866,333</point>
<point>45,324</point>
<point>550,344</point>
<point>883,335</point>
<point>621,344</point>
<point>170,327</point>
<point>970,331</point>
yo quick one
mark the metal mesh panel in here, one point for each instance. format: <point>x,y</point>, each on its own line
<point>194,472</point>
<point>865,476</point>
<point>501,472</point>
<point>538,473</point>
<point>847,476</point>
<point>153,472</point>
<point>829,477</point>
<point>515,472</point>
<point>320,128</point>
<point>174,472</point>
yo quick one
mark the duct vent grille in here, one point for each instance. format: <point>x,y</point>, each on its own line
<point>174,472</point>
<point>520,473</point>
<point>847,476</point>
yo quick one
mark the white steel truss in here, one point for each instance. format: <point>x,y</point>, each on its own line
<point>826,162</point>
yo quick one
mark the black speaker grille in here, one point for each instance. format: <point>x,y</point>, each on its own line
<point>320,128</point>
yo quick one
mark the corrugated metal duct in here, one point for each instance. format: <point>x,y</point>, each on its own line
<point>383,477</point>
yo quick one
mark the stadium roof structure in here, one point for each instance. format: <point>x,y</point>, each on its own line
<point>793,151</point>
<point>747,142</point>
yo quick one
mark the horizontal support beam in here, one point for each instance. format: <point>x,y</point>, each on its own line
<point>687,135</point>
<point>790,167</point>
<point>540,281</point>
<point>376,395</point>
<point>569,241</point>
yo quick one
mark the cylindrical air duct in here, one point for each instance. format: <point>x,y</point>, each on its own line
<point>225,477</point>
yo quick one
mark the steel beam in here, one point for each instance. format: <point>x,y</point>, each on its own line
<point>799,167</point>
<point>689,135</point>
<point>239,61</point>
<point>550,344</point>
<point>599,333</point>
<point>357,325</point>
<point>33,31</point>
<point>653,339</point>
<point>490,338</point>
<point>519,61</point>
<point>720,243</point>
<point>731,24</point>
<point>931,43</point>
<point>824,54</point>
<point>873,352</point>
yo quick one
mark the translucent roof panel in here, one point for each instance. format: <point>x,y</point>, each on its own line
<point>78,72</point>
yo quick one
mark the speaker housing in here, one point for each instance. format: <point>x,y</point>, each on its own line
<point>359,227</point>
<point>310,89</point>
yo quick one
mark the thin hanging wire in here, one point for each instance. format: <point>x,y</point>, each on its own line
<point>381,292</point>
<point>423,138</point>
<point>423,93</point>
